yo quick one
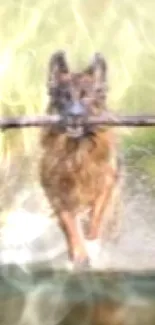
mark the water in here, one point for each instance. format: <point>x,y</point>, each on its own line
<point>30,237</point>
<point>34,243</point>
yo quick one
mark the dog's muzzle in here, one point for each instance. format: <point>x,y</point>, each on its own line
<point>75,126</point>
<point>75,121</point>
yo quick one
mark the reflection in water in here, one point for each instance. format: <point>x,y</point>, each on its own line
<point>31,237</point>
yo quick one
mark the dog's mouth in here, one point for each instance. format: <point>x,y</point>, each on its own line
<point>79,132</point>
<point>76,131</point>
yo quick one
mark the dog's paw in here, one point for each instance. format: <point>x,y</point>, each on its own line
<point>82,264</point>
<point>93,248</point>
<point>70,266</point>
<point>78,264</point>
<point>99,257</point>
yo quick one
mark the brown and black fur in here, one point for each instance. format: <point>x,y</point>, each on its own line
<point>78,173</point>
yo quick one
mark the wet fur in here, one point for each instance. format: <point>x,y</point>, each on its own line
<point>76,173</point>
<point>73,172</point>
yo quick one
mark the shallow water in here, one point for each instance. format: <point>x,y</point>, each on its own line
<point>32,242</point>
<point>30,236</point>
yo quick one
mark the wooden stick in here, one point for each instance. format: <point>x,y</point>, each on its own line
<point>28,121</point>
<point>104,119</point>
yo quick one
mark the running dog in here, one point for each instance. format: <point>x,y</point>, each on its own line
<point>79,166</point>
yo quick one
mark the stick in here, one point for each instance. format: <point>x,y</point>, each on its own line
<point>105,119</point>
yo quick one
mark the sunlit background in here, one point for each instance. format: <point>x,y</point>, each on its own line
<point>31,30</point>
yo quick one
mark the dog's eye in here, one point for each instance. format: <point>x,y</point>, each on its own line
<point>67,95</point>
<point>98,90</point>
<point>53,91</point>
<point>82,93</point>
<point>100,94</point>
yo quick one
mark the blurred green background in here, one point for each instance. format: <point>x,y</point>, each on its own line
<point>122,30</point>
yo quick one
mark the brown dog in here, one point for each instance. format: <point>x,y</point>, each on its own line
<point>79,165</point>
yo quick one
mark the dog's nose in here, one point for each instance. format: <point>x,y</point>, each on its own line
<point>76,110</point>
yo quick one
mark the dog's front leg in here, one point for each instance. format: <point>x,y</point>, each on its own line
<point>75,243</point>
<point>101,203</point>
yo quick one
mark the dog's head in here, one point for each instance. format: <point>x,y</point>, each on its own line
<point>77,95</point>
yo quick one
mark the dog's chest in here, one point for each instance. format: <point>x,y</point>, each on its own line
<point>86,163</point>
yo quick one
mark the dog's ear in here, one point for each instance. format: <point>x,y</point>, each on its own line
<point>98,69</point>
<point>57,67</point>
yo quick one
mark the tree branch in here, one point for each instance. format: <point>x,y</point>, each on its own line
<point>104,119</point>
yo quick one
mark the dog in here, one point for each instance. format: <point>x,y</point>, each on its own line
<point>79,166</point>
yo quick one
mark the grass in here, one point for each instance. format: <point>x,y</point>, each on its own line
<point>31,30</point>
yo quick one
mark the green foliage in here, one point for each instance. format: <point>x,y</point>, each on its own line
<point>31,30</point>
